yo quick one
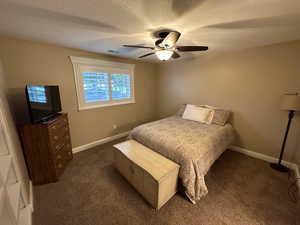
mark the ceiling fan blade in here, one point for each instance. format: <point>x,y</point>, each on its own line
<point>191,48</point>
<point>171,39</point>
<point>138,46</point>
<point>151,53</point>
<point>175,55</point>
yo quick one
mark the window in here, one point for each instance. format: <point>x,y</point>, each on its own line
<point>102,83</point>
<point>120,86</point>
<point>95,87</point>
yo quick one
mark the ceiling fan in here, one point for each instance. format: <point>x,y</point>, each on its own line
<point>165,46</point>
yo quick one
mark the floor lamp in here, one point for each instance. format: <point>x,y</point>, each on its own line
<point>291,103</point>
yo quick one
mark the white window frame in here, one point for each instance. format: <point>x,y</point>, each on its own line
<point>81,65</point>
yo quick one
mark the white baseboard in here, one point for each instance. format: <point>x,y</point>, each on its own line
<point>99,142</point>
<point>270,159</point>
<point>261,156</point>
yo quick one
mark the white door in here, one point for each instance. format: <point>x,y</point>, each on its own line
<point>14,205</point>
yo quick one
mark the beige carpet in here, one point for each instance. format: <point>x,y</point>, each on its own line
<point>242,190</point>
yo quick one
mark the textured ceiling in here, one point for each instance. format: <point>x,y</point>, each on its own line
<point>99,25</point>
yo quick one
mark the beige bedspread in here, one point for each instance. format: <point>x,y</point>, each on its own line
<point>193,145</point>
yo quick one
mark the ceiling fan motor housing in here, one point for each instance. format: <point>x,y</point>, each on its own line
<point>161,34</point>
<point>158,42</point>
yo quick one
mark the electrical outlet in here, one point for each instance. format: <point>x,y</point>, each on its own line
<point>115,127</point>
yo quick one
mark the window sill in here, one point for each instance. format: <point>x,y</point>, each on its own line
<point>81,108</point>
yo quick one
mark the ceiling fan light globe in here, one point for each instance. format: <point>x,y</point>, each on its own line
<point>164,54</point>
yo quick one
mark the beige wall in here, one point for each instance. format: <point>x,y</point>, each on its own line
<point>249,82</point>
<point>28,62</point>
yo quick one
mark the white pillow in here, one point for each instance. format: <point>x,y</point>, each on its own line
<point>198,114</point>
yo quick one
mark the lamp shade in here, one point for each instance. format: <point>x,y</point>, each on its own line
<point>290,102</point>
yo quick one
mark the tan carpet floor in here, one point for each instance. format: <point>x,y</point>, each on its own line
<point>242,190</point>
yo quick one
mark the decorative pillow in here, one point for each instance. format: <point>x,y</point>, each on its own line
<point>199,114</point>
<point>220,116</point>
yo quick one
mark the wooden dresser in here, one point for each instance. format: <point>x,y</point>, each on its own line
<point>47,148</point>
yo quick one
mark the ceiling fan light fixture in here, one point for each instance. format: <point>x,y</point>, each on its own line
<point>164,54</point>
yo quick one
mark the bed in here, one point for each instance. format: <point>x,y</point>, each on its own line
<point>193,145</point>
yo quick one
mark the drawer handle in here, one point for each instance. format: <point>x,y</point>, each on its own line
<point>59,165</point>
<point>59,156</point>
<point>55,137</point>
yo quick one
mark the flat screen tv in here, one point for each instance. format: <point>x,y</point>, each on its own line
<point>43,102</point>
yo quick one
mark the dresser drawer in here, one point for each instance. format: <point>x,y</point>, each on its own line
<point>64,154</point>
<point>58,146</point>
<point>58,124</point>
<point>62,158</point>
<point>59,168</point>
<point>61,134</point>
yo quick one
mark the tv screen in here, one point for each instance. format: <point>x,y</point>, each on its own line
<point>43,102</point>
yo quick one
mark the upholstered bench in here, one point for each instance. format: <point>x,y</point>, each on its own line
<point>151,174</point>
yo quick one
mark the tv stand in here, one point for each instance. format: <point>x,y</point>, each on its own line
<point>47,147</point>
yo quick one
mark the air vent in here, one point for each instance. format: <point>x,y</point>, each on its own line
<point>113,51</point>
